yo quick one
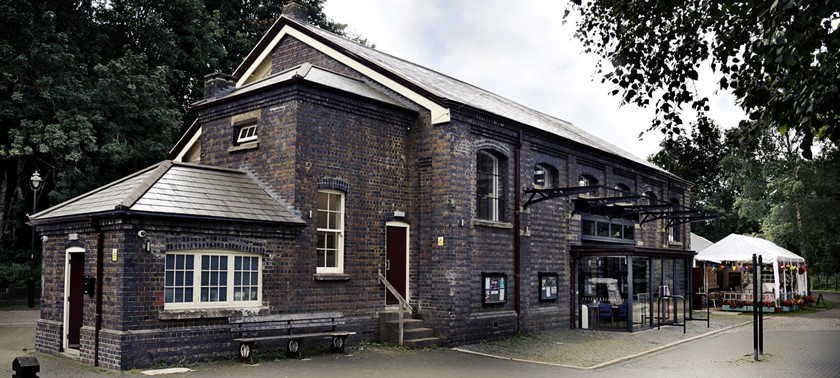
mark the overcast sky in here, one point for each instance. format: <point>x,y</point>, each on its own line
<point>517,49</point>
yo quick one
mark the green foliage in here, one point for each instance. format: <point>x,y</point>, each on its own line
<point>13,273</point>
<point>699,159</point>
<point>780,59</point>
<point>793,199</point>
<point>93,91</point>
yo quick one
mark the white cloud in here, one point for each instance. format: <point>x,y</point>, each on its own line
<point>517,49</point>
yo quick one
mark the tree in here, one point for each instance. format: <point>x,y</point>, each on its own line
<point>780,59</point>
<point>91,91</point>
<point>698,158</point>
<point>793,199</point>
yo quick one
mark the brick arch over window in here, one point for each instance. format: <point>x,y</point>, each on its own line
<point>334,183</point>
<point>498,149</point>
<point>181,243</point>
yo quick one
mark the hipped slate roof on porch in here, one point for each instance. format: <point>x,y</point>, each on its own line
<point>178,189</point>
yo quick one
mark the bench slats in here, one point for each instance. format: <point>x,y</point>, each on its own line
<point>286,317</point>
<point>285,327</point>
<point>287,337</point>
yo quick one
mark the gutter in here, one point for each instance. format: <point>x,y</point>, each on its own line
<point>100,254</point>
<point>517,226</point>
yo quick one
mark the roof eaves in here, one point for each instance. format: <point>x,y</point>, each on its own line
<point>43,213</point>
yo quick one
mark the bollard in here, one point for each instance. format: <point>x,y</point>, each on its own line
<point>25,366</point>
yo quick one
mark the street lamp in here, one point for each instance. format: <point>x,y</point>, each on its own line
<point>35,184</point>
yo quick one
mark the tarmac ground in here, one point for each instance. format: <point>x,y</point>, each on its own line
<point>800,345</point>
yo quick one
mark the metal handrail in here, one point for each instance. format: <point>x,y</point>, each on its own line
<point>403,303</point>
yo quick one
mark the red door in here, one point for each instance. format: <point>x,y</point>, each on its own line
<point>396,266</point>
<point>75,299</point>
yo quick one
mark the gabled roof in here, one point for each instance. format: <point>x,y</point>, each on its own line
<point>178,189</point>
<point>438,91</point>
<point>312,74</point>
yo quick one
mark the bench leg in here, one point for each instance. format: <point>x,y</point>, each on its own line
<point>293,348</point>
<point>245,354</point>
<point>337,345</point>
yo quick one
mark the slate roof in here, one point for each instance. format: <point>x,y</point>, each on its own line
<point>179,189</point>
<point>313,74</point>
<point>450,89</point>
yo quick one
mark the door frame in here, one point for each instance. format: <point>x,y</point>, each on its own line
<point>66,321</point>
<point>407,254</point>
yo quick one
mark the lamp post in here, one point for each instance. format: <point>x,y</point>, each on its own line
<point>34,184</point>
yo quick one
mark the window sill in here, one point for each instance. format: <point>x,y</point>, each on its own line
<point>330,277</point>
<point>492,224</point>
<point>244,146</point>
<point>210,313</point>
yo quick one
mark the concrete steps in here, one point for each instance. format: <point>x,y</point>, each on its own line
<point>415,333</point>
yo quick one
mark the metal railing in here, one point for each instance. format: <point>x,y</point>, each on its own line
<point>404,306</point>
<point>676,322</point>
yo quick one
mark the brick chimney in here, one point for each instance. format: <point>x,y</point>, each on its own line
<point>296,11</point>
<point>218,84</point>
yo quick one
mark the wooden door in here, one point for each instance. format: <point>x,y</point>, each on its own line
<point>75,299</point>
<point>396,264</point>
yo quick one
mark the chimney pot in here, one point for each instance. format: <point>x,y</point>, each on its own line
<point>296,11</point>
<point>218,84</point>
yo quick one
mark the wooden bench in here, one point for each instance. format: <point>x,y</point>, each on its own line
<point>248,330</point>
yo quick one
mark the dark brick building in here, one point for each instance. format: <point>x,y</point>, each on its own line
<point>321,162</point>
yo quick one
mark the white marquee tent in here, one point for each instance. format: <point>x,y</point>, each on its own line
<point>740,249</point>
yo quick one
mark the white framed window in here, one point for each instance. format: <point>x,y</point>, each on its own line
<point>488,187</point>
<point>247,133</point>
<point>330,228</point>
<point>212,279</point>
<point>544,176</point>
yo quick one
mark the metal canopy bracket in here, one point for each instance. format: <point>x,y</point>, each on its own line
<point>622,206</point>
<point>539,195</point>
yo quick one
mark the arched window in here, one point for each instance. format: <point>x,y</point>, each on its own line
<point>675,231</point>
<point>622,187</point>
<point>651,197</point>
<point>545,176</point>
<point>587,180</point>
<point>488,186</point>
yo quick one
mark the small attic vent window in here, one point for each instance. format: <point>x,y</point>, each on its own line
<point>247,133</point>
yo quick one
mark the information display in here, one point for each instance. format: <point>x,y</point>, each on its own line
<point>494,288</point>
<point>548,286</point>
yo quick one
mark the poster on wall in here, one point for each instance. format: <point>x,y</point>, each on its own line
<point>494,286</point>
<point>548,286</point>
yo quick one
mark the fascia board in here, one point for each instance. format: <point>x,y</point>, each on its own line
<point>439,114</point>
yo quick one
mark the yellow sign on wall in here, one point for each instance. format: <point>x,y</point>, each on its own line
<point>114,254</point>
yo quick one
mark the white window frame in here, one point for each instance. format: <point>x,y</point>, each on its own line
<point>245,135</point>
<point>338,232</point>
<point>547,173</point>
<point>495,191</point>
<point>230,302</point>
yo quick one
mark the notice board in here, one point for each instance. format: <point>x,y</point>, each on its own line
<point>494,288</point>
<point>548,286</point>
